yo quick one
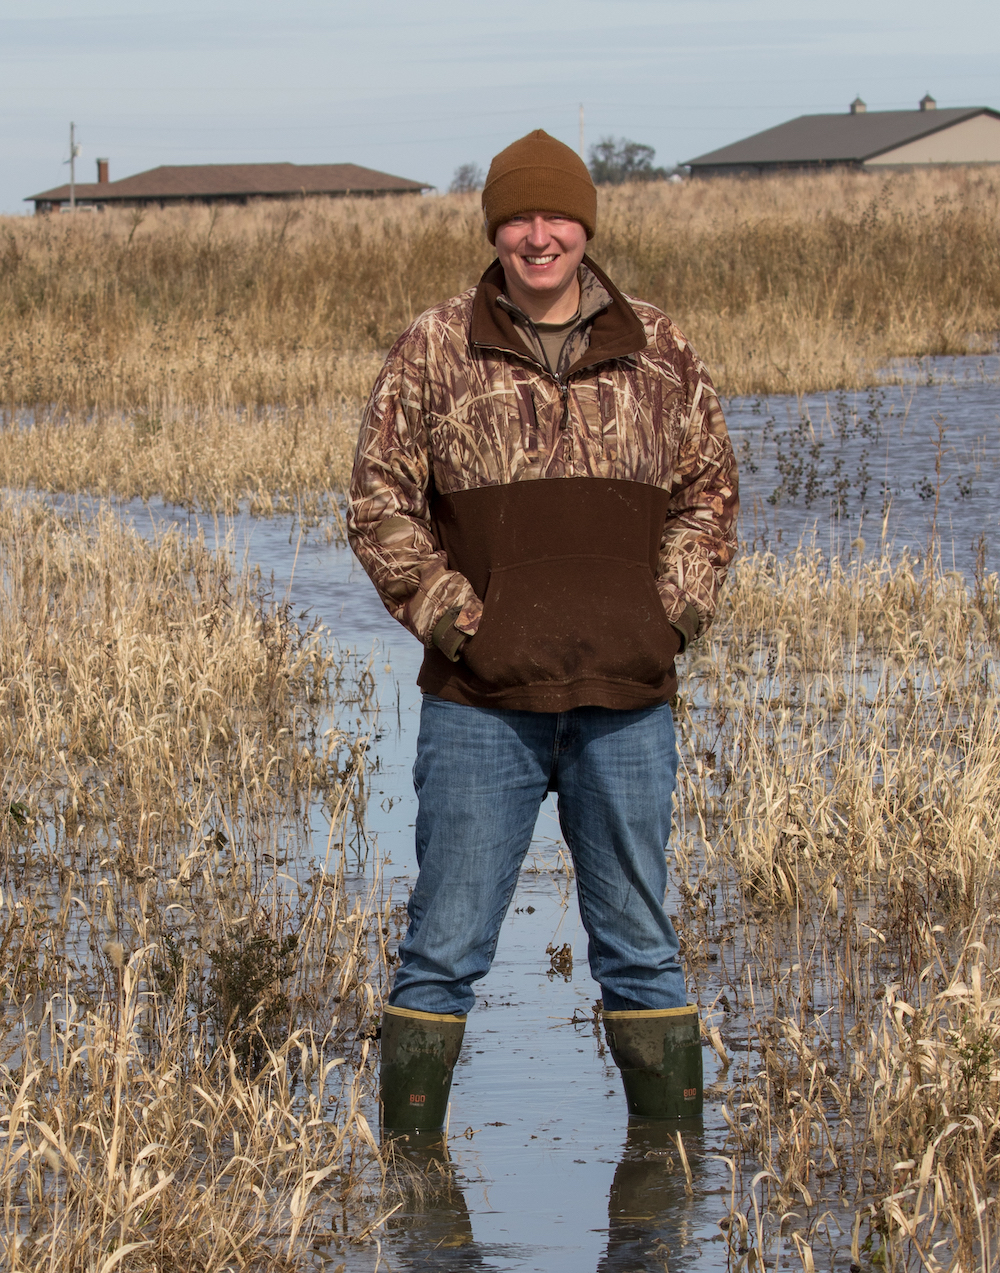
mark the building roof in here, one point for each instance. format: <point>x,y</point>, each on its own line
<point>851,138</point>
<point>221,181</point>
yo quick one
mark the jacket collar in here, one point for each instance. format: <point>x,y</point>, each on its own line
<point>615,330</point>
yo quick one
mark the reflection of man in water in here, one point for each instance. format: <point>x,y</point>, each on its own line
<point>651,1218</point>
<point>544,493</point>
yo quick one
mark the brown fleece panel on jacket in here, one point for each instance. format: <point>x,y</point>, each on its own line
<point>571,616</point>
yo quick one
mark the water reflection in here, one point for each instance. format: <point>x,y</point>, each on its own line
<point>651,1204</point>
<point>433,1228</point>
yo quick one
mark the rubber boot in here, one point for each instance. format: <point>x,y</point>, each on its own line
<point>419,1051</point>
<point>659,1055</point>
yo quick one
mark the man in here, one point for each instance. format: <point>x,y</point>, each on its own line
<point>544,493</point>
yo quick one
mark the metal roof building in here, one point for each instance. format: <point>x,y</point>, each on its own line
<point>863,139</point>
<point>225,183</point>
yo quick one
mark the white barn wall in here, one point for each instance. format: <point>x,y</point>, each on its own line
<point>973,141</point>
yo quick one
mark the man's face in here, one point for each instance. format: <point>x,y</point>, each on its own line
<point>540,253</point>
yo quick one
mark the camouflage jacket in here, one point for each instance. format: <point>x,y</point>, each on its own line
<point>460,499</point>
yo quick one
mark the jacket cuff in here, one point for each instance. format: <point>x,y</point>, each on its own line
<point>687,624</point>
<point>446,637</point>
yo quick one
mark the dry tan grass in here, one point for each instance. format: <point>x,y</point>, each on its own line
<point>233,307</point>
<point>170,1061</point>
<point>837,850</point>
<point>296,461</point>
<point>842,806</point>
<point>215,356</point>
<point>794,283</point>
<point>179,1050</point>
<point>804,283</point>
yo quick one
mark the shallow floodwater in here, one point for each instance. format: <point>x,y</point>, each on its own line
<point>546,1175</point>
<point>906,464</point>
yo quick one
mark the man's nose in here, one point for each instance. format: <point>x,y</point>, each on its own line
<point>538,232</point>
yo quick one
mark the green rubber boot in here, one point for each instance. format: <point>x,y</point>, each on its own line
<point>419,1051</point>
<point>659,1055</point>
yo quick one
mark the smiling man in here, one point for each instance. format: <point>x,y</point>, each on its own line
<point>544,494</point>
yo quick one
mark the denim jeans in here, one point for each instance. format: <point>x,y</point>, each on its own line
<point>481,775</point>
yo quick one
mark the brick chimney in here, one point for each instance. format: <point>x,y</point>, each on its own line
<point>102,172</point>
<point>858,107</point>
<point>927,103</point>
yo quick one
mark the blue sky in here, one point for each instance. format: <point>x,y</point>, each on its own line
<point>418,88</point>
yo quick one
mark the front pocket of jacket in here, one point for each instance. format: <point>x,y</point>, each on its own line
<point>571,617</point>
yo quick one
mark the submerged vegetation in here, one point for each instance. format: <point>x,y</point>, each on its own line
<point>183,986</point>
<point>839,865</point>
<point>189,995</point>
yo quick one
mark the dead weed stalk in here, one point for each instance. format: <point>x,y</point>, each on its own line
<point>841,813</point>
<point>180,1051</point>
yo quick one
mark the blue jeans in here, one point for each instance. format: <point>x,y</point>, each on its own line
<point>481,775</point>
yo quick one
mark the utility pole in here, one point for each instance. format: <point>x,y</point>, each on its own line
<point>582,155</point>
<point>74,150</point>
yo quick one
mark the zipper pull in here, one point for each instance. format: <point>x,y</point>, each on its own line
<point>564,390</point>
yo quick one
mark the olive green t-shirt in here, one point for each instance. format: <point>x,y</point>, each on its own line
<point>553,337</point>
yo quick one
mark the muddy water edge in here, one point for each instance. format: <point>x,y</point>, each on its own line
<point>844,971</point>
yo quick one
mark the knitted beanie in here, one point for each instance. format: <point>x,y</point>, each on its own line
<point>539,174</point>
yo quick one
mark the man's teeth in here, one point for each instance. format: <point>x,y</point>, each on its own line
<point>540,260</point>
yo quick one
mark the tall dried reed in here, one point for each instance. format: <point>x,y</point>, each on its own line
<point>183,992</point>
<point>791,283</point>
<point>842,807</point>
<point>214,356</point>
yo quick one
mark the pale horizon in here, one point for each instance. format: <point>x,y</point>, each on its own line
<point>417,93</point>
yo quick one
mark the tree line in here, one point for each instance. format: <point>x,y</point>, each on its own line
<point>612,161</point>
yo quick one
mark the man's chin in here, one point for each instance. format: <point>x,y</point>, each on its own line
<point>542,287</point>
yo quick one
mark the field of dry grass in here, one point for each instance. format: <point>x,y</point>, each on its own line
<point>254,334</point>
<point>187,991</point>
<point>186,995</point>
<point>185,968</point>
<point>839,865</point>
<point>211,460</point>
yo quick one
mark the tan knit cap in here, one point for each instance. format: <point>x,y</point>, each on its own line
<point>539,174</point>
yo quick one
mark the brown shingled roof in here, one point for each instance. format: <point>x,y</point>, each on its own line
<point>835,138</point>
<point>222,181</point>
